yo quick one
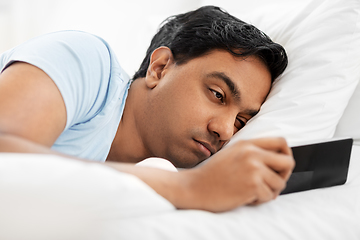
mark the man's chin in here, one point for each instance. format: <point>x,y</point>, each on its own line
<point>186,163</point>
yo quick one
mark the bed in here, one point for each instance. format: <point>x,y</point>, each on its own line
<point>317,98</point>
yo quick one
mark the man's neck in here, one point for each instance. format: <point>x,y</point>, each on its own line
<point>127,145</point>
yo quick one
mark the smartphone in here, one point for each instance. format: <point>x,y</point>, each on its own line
<point>320,165</point>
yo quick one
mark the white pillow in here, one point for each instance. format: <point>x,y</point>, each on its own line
<point>322,41</point>
<point>156,162</point>
<point>349,124</point>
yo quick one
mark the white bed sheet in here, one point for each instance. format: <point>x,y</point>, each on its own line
<point>329,213</point>
<point>47,197</point>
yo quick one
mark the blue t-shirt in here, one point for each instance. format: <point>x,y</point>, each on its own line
<point>93,85</point>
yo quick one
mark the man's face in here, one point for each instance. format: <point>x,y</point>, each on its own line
<point>196,107</point>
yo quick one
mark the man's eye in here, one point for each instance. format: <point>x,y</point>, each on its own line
<point>239,124</point>
<point>218,95</point>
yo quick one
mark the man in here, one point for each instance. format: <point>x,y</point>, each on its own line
<point>204,76</point>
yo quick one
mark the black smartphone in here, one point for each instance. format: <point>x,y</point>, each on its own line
<point>319,165</point>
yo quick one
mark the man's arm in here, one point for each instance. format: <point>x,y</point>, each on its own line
<point>31,106</point>
<point>33,115</point>
<point>248,172</point>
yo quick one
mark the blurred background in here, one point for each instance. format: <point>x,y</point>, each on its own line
<point>127,25</point>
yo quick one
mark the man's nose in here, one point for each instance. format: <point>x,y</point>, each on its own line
<point>222,126</point>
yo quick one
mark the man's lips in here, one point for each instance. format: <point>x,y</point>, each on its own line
<point>206,148</point>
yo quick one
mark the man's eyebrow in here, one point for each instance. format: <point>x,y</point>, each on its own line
<point>230,83</point>
<point>251,112</point>
<point>233,89</point>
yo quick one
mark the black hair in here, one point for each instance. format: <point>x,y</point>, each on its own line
<point>196,33</point>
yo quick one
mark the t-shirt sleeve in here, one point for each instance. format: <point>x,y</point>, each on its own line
<point>79,64</point>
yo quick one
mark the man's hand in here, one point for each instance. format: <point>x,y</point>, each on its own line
<point>248,172</point>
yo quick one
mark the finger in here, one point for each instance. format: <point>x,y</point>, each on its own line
<point>276,144</point>
<point>275,182</point>
<point>272,179</point>
<point>272,185</point>
<point>264,194</point>
<point>279,163</point>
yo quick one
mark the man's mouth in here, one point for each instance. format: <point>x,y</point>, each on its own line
<point>205,148</point>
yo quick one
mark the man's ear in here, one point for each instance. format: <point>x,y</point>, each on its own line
<point>160,60</point>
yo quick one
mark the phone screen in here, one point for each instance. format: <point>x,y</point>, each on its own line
<point>320,165</point>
